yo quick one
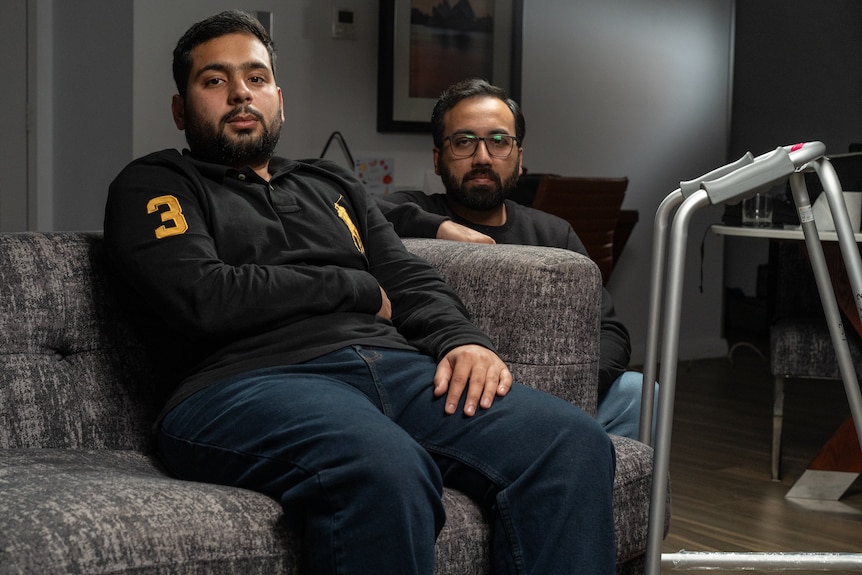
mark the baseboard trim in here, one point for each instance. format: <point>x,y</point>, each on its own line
<point>689,349</point>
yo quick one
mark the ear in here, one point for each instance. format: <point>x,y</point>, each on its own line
<point>281,105</point>
<point>178,111</point>
<point>520,162</point>
<point>436,161</point>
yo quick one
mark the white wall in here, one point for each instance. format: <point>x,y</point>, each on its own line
<point>638,89</point>
<point>92,107</point>
<point>26,140</point>
<point>13,99</point>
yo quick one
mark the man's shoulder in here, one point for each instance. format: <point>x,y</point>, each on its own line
<point>317,165</point>
<point>166,156</point>
<point>168,160</point>
<point>429,202</point>
<point>402,196</point>
<point>534,215</point>
<point>532,226</point>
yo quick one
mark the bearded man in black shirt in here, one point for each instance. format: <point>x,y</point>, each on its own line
<point>478,136</point>
<point>310,357</point>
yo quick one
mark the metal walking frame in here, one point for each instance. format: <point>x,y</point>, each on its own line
<point>729,184</point>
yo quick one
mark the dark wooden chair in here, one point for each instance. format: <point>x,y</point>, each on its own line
<point>592,207</point>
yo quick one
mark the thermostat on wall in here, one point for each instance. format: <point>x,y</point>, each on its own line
<point>342,23</point>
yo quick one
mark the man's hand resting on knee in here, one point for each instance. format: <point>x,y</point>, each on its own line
<point>476,370</point>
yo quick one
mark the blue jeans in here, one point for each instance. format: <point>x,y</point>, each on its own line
<point>357,450</point>
<point>619,408</point>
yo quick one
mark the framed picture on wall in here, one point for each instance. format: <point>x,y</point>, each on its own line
<point>427,45</point>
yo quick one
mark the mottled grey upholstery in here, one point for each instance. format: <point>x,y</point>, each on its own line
<point>800,345</point>
<point>81,493</point>
<point>803,348</point>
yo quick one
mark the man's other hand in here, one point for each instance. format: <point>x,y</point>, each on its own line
<point>449,230</point>
<point>386,307</point>
<point>475,370</point>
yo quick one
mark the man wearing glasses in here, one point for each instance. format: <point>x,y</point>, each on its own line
<point>478,132</point>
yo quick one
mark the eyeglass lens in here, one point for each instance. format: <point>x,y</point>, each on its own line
<point>498,145</point>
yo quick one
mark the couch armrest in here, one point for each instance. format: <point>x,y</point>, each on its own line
<point>541,306</point>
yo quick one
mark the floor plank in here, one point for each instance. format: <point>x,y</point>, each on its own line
<point>723,497</point>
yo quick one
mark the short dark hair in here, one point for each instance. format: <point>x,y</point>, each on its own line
<point>472,88</point>
<point>227,22</point>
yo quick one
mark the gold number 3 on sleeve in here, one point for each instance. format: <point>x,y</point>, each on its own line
<point>173,213</point>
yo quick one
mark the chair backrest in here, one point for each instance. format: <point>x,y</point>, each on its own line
<point>591,206</point>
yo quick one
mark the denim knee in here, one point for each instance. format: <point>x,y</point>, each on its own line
<point>399,469</point>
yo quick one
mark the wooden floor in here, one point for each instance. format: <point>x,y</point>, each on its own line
<point>723,497</point>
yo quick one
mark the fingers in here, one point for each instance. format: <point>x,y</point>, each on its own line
<point>386,306</point>
<point>442,377</point>
<point>474,373</point>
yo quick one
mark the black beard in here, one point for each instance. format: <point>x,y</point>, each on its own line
<point>478,198</point>
<point>213,145</point>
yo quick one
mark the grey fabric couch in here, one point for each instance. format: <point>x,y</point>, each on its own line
<point>80,491</point>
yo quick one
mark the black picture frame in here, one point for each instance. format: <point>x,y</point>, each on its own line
<point>493,44</point>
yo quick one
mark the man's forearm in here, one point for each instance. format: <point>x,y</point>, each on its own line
<point>410,220</point>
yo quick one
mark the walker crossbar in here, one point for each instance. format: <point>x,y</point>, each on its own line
<point>728,561</point>
<point>730,184</point>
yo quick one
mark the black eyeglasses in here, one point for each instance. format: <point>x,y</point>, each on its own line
<point>498,145</point>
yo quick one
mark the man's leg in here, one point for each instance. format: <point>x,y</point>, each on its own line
<point>363,494</point>
<point>619,408</point>
<point>545,468</point>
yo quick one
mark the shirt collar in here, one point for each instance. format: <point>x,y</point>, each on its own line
<point>277,167</point>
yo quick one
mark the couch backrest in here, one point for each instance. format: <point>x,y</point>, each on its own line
<point>541,306</point>
<point>71,373</point>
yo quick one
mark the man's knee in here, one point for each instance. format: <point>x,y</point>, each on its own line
<point>395,467</point>
<point>631,385</point>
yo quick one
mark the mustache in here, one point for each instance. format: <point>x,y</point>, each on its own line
<point>482,173</point>
<point>244,111</point>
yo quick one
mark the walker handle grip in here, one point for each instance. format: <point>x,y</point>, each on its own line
<point>691,186</point>
<point>764,172</point>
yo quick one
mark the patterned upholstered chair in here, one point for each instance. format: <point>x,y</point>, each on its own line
<point>799,341</point>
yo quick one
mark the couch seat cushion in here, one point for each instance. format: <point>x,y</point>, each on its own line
<point>102,511</point>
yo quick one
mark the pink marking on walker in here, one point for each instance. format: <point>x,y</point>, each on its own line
<point>797,147</point>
